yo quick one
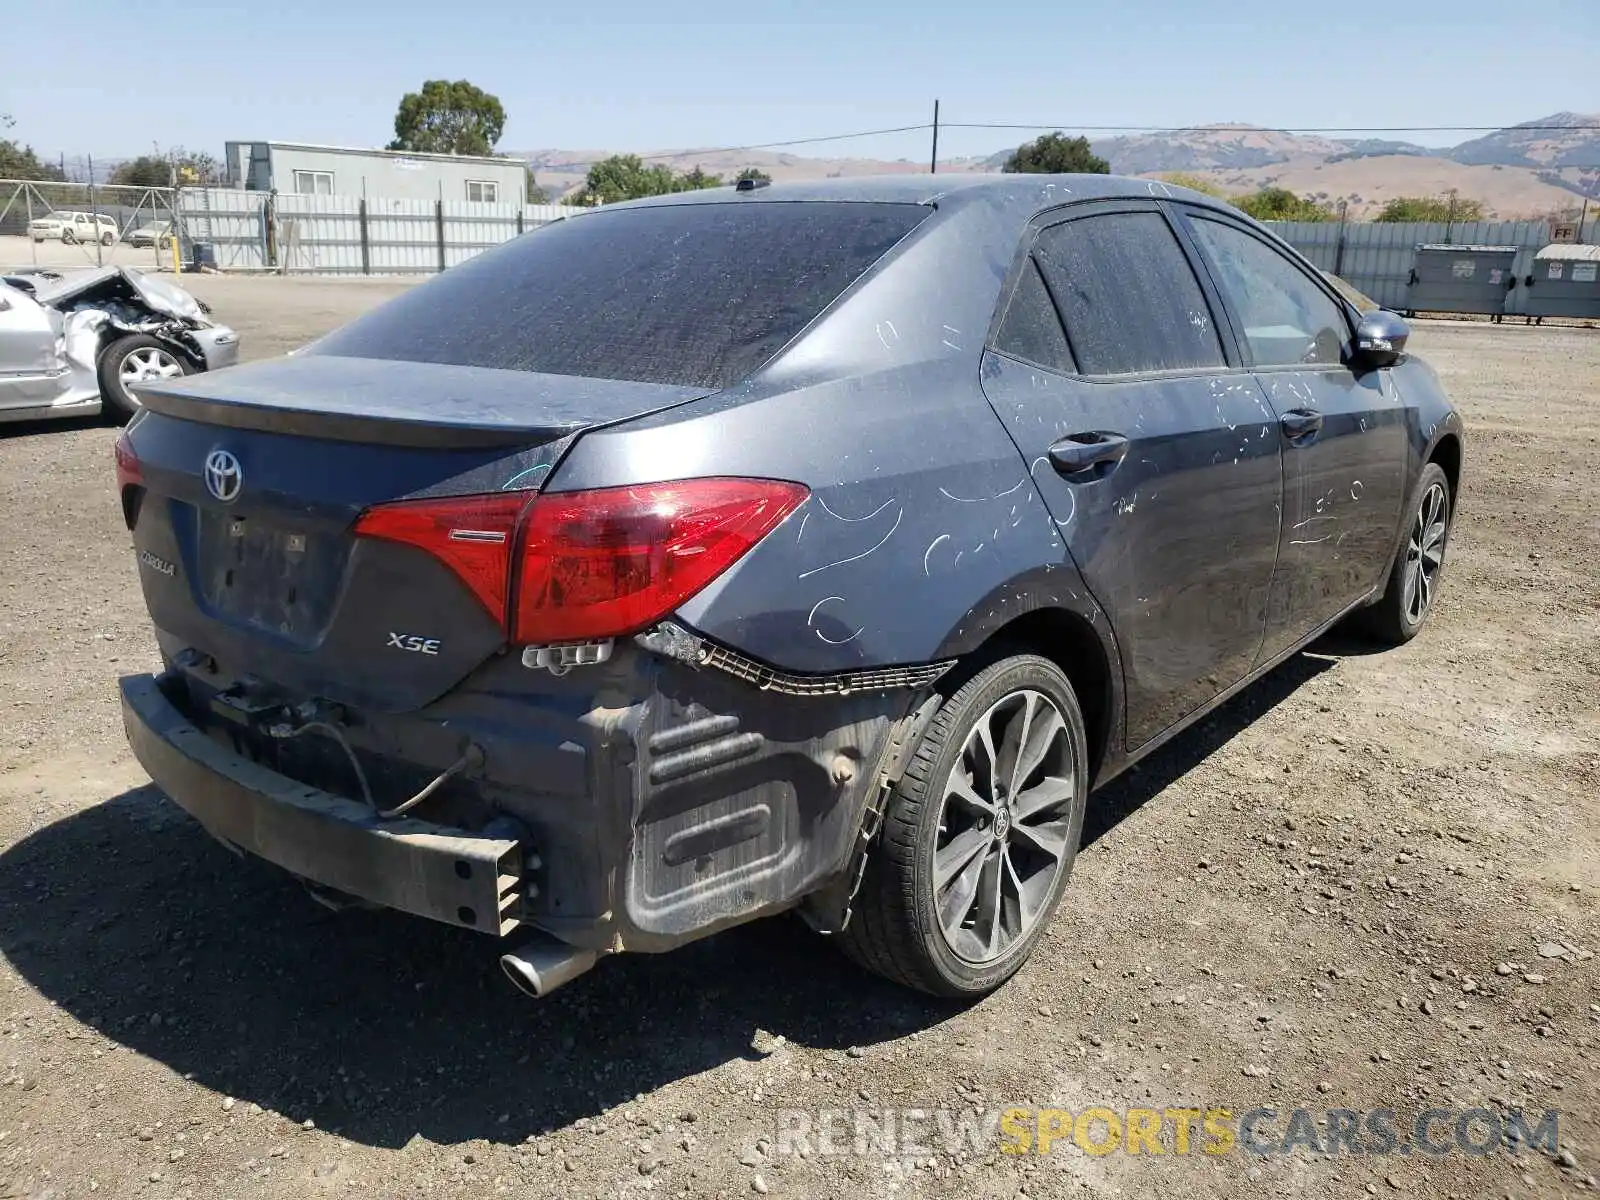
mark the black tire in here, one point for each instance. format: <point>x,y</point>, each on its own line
<point>119,403</point>
<point>107,239</point>
<point>895,929</point>
<point>69,238</point>
<point>1395,619</point>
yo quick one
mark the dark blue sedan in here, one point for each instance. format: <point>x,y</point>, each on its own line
<point>817,547</point>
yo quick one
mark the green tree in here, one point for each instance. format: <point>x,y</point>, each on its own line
<point>626,177</point>
<point>159,170</point>
<point>755,174</point>
<point>620,177</point>
<point>1431,208</point>
<point>1280,204</point>
<point>696,180</point>
<point>448,118</point>
<point>18,161</point>
<point>1055,153</point>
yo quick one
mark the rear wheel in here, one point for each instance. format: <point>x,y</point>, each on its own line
<point>133,360</point>
<point>979,836</point>
<point>106,239</point>
<point>1414,578</point>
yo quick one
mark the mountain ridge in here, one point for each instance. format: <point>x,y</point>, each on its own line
<point>1530,169</point>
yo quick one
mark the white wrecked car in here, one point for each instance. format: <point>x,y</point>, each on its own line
<point>71,344</point>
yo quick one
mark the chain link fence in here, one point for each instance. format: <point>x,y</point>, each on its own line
<point>65,226</point>
<point>70,226</point>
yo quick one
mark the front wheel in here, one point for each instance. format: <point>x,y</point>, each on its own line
<point>979,836</point>
<point>69,238</point>
<point>1414,578</point>
<point>133,360</point>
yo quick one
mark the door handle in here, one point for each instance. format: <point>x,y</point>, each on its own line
<point>1300,423</point>
<point>1080,453</point>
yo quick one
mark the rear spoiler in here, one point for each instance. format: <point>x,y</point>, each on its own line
<point>385,402</point>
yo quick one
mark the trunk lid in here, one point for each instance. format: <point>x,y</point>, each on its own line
<point>399,403</point>
<point>252,481</point>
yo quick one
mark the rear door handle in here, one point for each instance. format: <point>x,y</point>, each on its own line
<point>1079,454</point>
<point>1300,423</point>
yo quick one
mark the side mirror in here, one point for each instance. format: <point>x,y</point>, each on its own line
<point>1380,340</point>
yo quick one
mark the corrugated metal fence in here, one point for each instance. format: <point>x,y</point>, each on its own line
<point>1376,257</point>
<point>261,231</point>
<point>352,235</point>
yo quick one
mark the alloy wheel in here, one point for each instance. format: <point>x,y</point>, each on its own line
<point>1425,553</point>
<point>146,363</point>
<point>1004,825</point>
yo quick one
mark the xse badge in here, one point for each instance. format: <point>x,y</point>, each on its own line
<point>413,644</point>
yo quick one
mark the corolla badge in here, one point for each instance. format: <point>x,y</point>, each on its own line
<point>224,478</point>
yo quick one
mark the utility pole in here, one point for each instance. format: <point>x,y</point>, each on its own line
<point>933,165</point>
<point>1338,254</point>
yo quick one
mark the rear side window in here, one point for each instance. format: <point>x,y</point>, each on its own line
<point>1127,295</point>
<point>695,294</point>
<point>1030,329</point>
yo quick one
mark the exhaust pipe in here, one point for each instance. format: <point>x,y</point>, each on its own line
<point>540,967</point>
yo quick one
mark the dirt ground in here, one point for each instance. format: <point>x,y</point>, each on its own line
<point>1369,882</point>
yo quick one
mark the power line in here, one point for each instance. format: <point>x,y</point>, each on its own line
<point>666,156</point>
<point>808,141</point>
<point>1065,125</point>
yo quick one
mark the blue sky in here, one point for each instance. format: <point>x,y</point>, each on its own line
<point>651,74</point>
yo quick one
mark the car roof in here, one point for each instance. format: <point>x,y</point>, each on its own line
<point>1048,190</point>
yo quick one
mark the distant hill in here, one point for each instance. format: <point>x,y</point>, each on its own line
<point>1526,170</point>
<point>1574,142</point>
<point>1376,148</point>
<point>1215,146</point>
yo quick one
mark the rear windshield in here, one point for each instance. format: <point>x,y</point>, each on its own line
<point>696,294</point>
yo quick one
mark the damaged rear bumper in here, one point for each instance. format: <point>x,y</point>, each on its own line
<point>651,801</point>
<point>448,875</point>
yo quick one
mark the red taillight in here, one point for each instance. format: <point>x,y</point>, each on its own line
<point>128,469</point>
<point>603,563</point>
<point>472,535</point>
<point>594,564</point>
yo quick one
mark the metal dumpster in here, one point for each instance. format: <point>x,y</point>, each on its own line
<point>1564,282</point>
<point>1461,279</point>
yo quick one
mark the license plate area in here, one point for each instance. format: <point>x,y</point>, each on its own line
<point>268,574</point>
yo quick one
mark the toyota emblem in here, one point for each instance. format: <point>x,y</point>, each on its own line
<point>223,476</point>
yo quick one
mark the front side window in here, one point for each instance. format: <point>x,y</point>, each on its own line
<point>483,191</point>
<point>314,183</point>
<point>1288,320</point>
<point>1129,299</point>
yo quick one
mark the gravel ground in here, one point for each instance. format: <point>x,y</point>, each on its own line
<point>1369,882</point>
